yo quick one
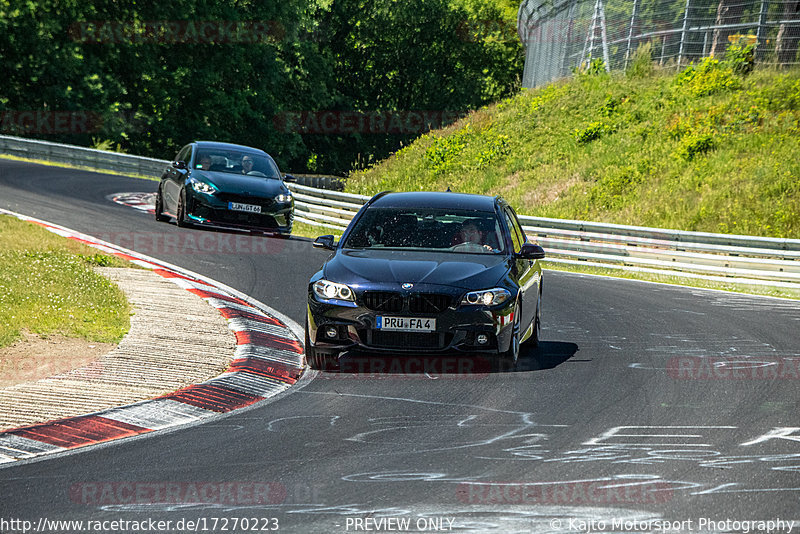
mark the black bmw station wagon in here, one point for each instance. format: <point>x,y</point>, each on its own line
<point>429,272</point>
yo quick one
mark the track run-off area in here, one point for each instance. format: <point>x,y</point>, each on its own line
<point>646,408</point>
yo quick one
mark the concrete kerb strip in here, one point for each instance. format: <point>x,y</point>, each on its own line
<point>267,361</point>
<point>152,359</point>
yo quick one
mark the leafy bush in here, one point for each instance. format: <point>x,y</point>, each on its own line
<point>467,147</point>
<point>740,57</point>
<point>610,106</point>
<point>782,94</point>
<point>497,148</point>
<point>595,68</point>
<point>678,126</point>
<point>695,144</point>
<point>709,77</point>
<point>595,130</point>
<point>442,153</point>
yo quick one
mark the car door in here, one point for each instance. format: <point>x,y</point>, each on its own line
<point>524,271</point>
<point>172,181</point>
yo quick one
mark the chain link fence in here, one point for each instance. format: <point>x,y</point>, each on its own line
<point>563,35</point>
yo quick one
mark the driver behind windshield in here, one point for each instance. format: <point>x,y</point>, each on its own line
<point>204,162</point>
<point>247,164</point>
<point>470,233</point>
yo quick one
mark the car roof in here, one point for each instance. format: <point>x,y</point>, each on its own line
<point>435,199</point>
<point>228,146</point>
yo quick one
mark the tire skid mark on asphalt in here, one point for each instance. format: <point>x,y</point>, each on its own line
<point>268,360</point>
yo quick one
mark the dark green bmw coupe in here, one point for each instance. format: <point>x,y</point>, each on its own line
<point>225,185</point>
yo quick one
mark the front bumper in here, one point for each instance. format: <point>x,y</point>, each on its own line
<point>209,210</point>
<point>457,329</point>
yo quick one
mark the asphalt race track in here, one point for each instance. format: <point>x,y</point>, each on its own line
<point>645,403</point>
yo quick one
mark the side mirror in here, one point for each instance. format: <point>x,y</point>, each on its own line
<point>180,165</point>
<point>531,251</point>
<point>324,241</point>
<point>289,178</point>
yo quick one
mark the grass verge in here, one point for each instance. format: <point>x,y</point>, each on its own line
<point>47,286</point>
<point>708,149</point>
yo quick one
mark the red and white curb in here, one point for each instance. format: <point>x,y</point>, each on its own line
<point>141,201</point>
<point>268,360</point>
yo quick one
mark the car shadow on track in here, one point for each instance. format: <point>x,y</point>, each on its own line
<point>547,355</point>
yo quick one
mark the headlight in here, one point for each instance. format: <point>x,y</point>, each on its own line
<point>487,297</point>
<point>202,187</point>
<point>284,197</point>
<point>325,289</point>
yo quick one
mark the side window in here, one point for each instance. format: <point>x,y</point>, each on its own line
<point>512,228</point>
<point>273,169</point>
<point>518,227</point>
<point>185,154</point>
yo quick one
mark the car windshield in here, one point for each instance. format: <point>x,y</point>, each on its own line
<point>235,162</point>
<point>427,229</point>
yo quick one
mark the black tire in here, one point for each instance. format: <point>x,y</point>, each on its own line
<point>160,217</point>
<point>321,361</point>
<point>180,217</point>
<point>510,357</point>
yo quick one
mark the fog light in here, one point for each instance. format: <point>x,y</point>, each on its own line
<point>331,332</point>
<point>482,339</point>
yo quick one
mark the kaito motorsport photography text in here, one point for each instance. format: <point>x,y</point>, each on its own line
<point>702,524</point>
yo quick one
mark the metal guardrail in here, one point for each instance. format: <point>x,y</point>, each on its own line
<point>119,162</point>
<point>724,257</point>
<point>82,156</point>
<point>749,259</point>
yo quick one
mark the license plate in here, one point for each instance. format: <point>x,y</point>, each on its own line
<point>250,208</point>
<point>405,324</point>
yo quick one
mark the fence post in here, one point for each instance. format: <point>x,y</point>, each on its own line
<point>762,28</point>
<point>684,33</point>
<point>562,70</point>
<point>606,58</point>
<point>634,12</point>
<point>588,45</point>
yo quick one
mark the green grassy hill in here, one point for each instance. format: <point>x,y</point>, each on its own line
<point>708,149</point>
